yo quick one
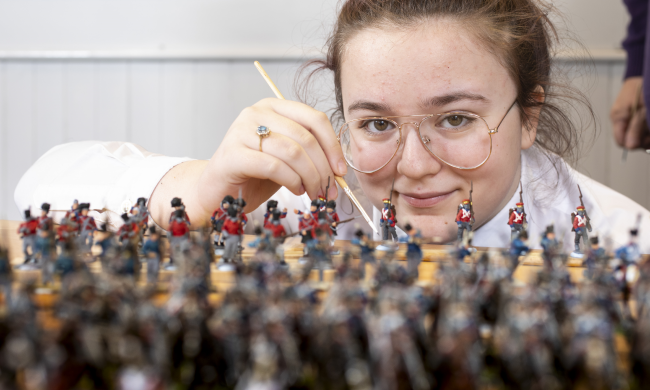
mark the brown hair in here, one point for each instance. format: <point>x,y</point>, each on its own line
<point>518,33</point>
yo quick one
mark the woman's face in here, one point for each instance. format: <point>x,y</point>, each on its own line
<point>433,68</point>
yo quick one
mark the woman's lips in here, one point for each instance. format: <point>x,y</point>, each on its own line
<point>425,200</point>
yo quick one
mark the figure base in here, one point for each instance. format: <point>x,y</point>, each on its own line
<point>169,267</point>
<point>387,247</point>
<point>577,255</point>
<point>27,267</point>
<point>303,260</point>
<point>225,267</point>
<point>219,252</point>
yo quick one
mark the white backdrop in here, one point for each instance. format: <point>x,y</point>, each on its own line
<point>171,75</point>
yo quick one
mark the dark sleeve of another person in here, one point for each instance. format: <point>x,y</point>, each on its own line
<point>635,41</point>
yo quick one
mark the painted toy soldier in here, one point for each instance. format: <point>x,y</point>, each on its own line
<point>580,226</point>
<point>319,252</point>
<point>6,275</point>
<point>72,214</point>
<point>630,253</point>
<point>388,221</point>
<point>313,210</point>
<point>550,246</point>
<point>151,250</point>
<point>27,231</point>
<point>87,228</point>
<point>45,222</point>
<point>517,220</point>
<point>306,225</point>
<point>271,206</point>
<point>322,203</point>
<point>232,232</point>
<point>278,234</point>
<point>46,253</point>
<point>464,218</point>
<point>595,256</point>
<point>142,214</point>
<point>332,216</point>
<point>106,241</point>
<point>413,251</point>
<point>66,231</point>
<point>128,231</point>
<point>218,218</point>
<point>179,229</point>
<point>518,247</point>
<point>177,205</point>
<point>367,251</point>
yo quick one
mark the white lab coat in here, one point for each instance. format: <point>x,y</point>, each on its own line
<point>112,175</point>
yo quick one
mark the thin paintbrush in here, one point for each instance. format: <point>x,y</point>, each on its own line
<point>338,179</point>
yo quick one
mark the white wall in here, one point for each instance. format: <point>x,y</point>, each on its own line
<point>172,75</point>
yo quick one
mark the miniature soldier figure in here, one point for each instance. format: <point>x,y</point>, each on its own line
<point>151,250</point>
<point>180,233</point>
<point>27,231</point>
<point>278,234</point>
<point>595,256</point>
<point>71,215</point>
<point>464,218</point>
<point>218,218</point>
<point>319,253</point>
<point>580,227</point>
<point>232,232</point>
<point>107,243</point>
<point>66,231</point>
<point>5,276</point>
<point>313,210</point>
<point>413,251</point>
<point>518,247</point>
<point>630,253</point>
<point>65,262</point>
<point>271,206</point>
<point>142,213</point>
<point>332,216</point>
<point>367,251</point>
<point>306,225</point>
<point>44,221</point>
<point>87,228</point>
<point>46,253</point>
<point>322,203</point>
<point>178,205</point>
<point>550,246</point>
<point>517,220</point>
<point>388,221</point>
<point>128,231</point>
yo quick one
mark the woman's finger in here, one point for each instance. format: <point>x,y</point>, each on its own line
<point>317,123</point>
<point>304,153</point>
<point>264,166</point>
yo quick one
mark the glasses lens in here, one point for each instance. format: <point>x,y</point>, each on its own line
<point>460,139</point>
<point>369,144</point>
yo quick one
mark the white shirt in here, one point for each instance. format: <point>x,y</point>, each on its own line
<point>112,175</point>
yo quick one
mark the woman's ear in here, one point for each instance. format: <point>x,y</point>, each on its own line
<point>529,132</point>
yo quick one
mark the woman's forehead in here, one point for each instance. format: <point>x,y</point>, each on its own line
<point>411,65</point>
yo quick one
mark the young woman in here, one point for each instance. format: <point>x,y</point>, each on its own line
<point>433,96</point>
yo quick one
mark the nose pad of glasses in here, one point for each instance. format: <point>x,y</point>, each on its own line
<point>425,139</point>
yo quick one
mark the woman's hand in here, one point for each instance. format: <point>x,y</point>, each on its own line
<point>628,116</point>
<point>301,153</point>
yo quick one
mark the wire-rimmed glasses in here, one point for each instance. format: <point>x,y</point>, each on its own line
<point>460,139</point>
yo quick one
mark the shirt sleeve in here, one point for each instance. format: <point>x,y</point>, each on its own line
<point>108,175</point>
<point>634,43</point>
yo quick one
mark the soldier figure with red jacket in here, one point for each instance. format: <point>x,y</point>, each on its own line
<point>177,205</point>
<point>45,222</point>
<point>313,210</point>
<point>580,226</point>
<point>517,220</point>
<point>179,230</point>
<point>72,214</point>
<point>278,234</point>
<point>271,206</point>
<point>388,221</point>
<point>464,218</point>
<point>27,231</point>
<point>87,228</point>
<point>129,231</point>
<point>233,230</point>
<point>332,216</point>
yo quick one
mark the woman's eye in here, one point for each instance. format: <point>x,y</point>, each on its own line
<point>455,120</point>
<point>379,125</point>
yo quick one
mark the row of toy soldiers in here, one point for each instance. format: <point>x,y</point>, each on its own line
<point>474,328</point>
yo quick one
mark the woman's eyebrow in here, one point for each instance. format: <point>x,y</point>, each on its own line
<point>369,106</point>
<point>442,100</point>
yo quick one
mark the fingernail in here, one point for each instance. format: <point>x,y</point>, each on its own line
<point>343,168</point>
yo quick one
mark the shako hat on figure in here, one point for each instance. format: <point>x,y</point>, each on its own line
<point>520,204</point>
<point>386,200</point>
<point>45,207</point>
<point>580,208</point>
<point>176,202</point>
<point>466,201</point>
